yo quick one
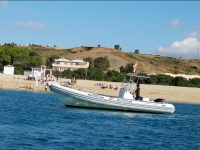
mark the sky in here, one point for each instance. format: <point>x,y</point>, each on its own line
<point>167,28</point>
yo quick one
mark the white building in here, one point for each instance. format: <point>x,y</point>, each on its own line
<point>66,64</point>
<point>38,71</point>
<point>8,69</point>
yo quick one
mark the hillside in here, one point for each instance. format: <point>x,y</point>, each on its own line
<point>146,63</point>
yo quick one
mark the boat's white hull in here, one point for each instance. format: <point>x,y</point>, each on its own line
<point>76,98</point>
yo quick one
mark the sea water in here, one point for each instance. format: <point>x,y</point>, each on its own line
<point>33,120</point>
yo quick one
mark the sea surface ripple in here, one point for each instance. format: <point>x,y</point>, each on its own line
<point>34,120</point>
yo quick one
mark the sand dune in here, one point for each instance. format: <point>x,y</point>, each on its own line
<point>170,93</point>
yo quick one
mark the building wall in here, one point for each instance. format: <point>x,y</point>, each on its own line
<point>8,70</point>
<point>61,66</point>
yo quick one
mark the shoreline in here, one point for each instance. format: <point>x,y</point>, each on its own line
<point>170,93</point>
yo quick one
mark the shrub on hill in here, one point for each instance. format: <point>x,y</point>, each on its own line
<point>102,63</point>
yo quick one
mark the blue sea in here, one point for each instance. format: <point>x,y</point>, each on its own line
<point>35,121</point>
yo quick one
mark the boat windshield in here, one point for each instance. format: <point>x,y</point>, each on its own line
<point>129,81</point>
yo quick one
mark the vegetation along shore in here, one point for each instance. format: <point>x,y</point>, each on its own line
<point>106,65</point>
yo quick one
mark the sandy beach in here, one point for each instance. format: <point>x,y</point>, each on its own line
<point>170,93</point>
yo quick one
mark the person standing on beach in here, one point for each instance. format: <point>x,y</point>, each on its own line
<point>46,87</point>
<point>17,86</point>
<point>75,81</point>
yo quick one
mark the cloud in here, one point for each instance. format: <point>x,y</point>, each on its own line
<point>193,34</point>
<point>176,23</point>
<point>30,24</point>
<point>185,49</point>
<point>4,3</point>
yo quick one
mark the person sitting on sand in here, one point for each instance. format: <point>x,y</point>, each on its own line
<point>111,86</point>
<point>116,88</point>
<point>104,86</point>
<point>137,93</point>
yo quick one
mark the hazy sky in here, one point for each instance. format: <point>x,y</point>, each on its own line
<point>155,27</point>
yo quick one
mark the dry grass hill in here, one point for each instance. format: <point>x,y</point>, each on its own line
<point>146,63</point>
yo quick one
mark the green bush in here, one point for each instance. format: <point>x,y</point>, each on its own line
<point>1,67</point>
<point>102,63</point>
<point>67,74</point>
<point>18,71</point>
<point>95,74</point>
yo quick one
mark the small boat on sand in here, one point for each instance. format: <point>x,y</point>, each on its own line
<point>125,100</point>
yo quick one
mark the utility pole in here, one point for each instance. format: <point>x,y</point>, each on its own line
<point>86,73</point>
<point>198,55</point>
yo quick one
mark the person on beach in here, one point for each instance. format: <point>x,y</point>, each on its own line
<point>137,92</point>
<point>45,87</point>
<point>17,86</point>
<point>72,80</point>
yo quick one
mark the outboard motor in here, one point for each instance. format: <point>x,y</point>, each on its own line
<point>160,100</point>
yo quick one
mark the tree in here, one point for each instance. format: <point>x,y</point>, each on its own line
<point>1,67</point>
<point>112,73</point>
<point>122,69</point>
<point>13,55</point>
<point>153,79</point>
<point>129,68</point>
<point>195,81</point>
<point>179,81</point>
<point>19,71</point>
<point>113,76</point>
<point>5,59</point>
<point>81,73</point>
<point>67,74</point>
<point>137,51</point>
<point>51,60</point>
<point>90,60</point>
<point>95,74</point>
<point>35,61</point>
<point>102,63</point>
<point>164,79</point>
<point>117,46</point>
